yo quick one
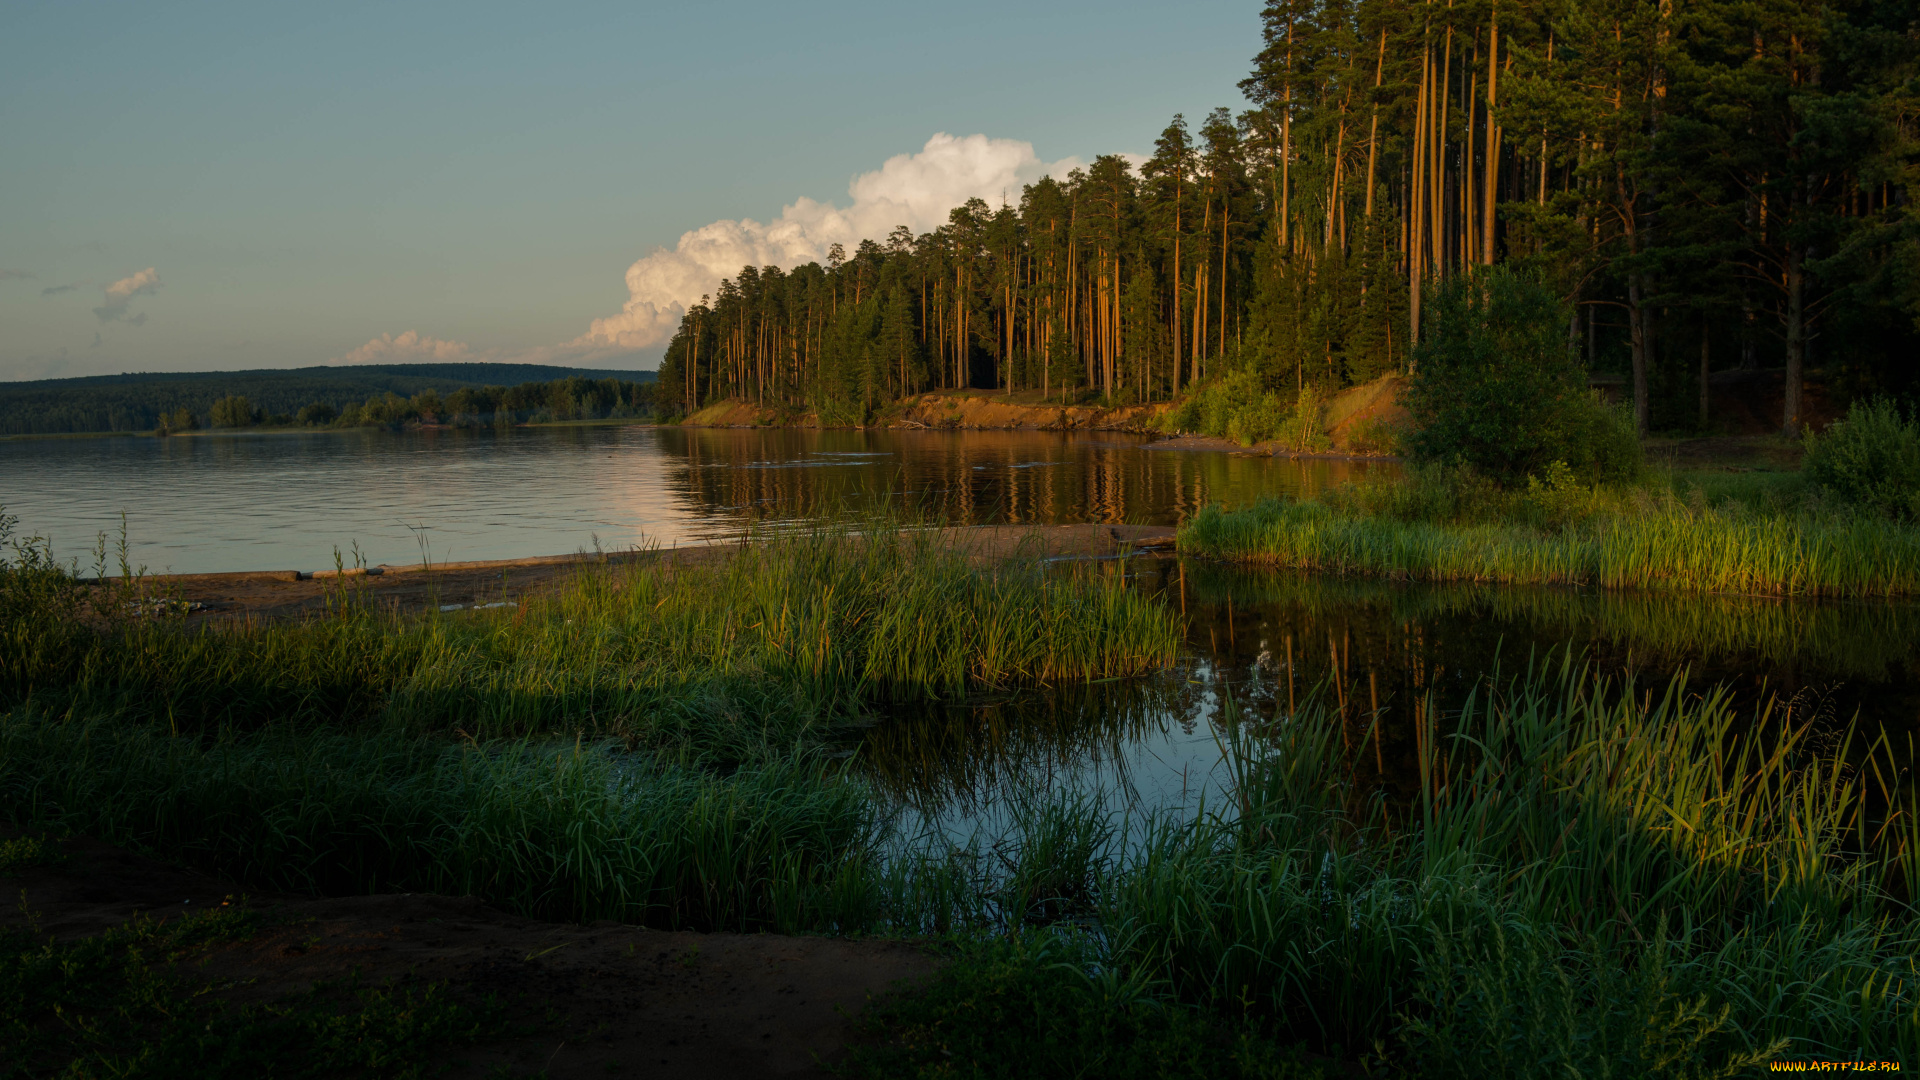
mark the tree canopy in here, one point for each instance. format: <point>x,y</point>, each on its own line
<point>1704,183</point>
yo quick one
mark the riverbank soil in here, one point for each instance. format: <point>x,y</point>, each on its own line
<point>598,1000</point>
<point>406,589</point>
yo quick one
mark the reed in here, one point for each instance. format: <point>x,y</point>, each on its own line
<point>731,657</point>
<point>1662,544</point>
<point>548,830</point>
<point>1579,877</point>
<point>1582,884</point>
<point>1578,880</point>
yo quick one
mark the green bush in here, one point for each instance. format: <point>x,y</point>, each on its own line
<point>1872,458</point>
<point>1239,406</point>
<point>1495,387</point>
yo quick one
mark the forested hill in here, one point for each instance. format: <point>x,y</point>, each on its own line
<point>140,402</point>
<point>1708,185</point>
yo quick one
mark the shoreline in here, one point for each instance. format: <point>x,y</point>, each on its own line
<point>1159,440</point>
<point>278,594</point>
<point>295,429</point>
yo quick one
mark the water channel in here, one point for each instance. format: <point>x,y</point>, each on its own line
<point>279,501</point>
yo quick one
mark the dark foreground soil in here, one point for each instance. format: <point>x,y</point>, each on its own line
<point>599,1000</point>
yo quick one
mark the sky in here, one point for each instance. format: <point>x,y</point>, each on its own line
<point>193,187</point>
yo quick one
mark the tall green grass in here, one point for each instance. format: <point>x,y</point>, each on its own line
<point>1580,880</point>
<point>738,656</point>
<point>1660,544</point>
<point>548,830</point>
<point>1583,884</point>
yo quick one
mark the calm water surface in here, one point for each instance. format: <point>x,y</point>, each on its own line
<point>287,501</point>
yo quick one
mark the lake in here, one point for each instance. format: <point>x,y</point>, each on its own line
<point>210,503</point>
<point>1262,639</point>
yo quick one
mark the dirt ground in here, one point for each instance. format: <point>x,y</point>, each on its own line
<point>610,1000</point>
<point>288,594</point>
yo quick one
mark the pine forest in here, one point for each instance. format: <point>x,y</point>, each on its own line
<point>1710,184</point>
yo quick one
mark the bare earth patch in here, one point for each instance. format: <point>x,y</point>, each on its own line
<point>598,1000</point>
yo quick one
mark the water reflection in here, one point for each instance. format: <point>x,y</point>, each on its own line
<point>964,756</point>
<point>972,477</point>
<point>245,502</point>
<point>277,501</point>
<point>1374,650</point>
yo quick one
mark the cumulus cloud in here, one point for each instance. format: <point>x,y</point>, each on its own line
<point>56,290</point>
<point>122,293</point>
<point>408,347</point>
<point>915,190</point>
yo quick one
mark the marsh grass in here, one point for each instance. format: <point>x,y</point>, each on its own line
<point>1558,537</point>
<point>547,830</point>
<point>1594,880</point>
<point>735,658</point>
<point>1584,884</point>
<point>1582,881</point>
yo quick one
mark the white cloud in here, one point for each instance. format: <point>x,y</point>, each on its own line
<point>122,292</point>
<point>408,347</point>
<point>915,190</point>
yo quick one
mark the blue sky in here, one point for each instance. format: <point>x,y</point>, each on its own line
<point>209,186</point>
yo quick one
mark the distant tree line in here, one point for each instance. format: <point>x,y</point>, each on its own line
<point>572,398</point>
<point>1709,184</point>
<point>393,395</point>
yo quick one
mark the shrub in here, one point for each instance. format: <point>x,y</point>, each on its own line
<point>1872,458</point>
<point>1494,386</point>
<point>1238,406</point>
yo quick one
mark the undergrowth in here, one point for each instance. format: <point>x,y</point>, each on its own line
<point>1239,406</point>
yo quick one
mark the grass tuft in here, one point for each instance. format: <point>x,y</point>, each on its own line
<point>1554,536</point>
